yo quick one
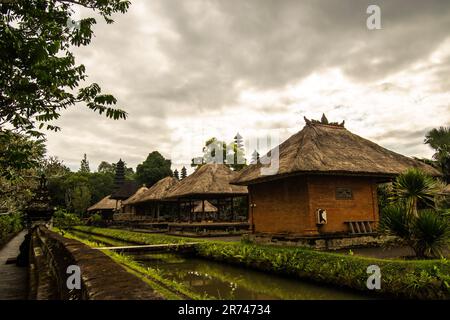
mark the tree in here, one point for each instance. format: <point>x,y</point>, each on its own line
<point>413,186</point>
<point>110,168</point>
<point>80,198</point>
<point>237,161</point>
<point>427,233</point>
<point>439,140</point>
<point>38,74</point>
<point>19,152</point>
<point>176,174</point>
<point>214,151</point>
<point>105,167</point>
<point>53,167</point>
<point>255,157</point>
<point>84,167</point>
<point>423,228</point>
<point>183,173</point>
<point>153,169</point>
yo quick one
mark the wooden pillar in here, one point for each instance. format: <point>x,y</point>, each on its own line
<point>190,210</point>
<point>157,211</point>
<point>232,209</point>
<point>203,209</point>
<point>179,209</point>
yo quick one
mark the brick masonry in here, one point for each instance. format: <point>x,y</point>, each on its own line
<point>288,206</point>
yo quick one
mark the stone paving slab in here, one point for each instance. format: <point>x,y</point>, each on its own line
<point>13,279</point>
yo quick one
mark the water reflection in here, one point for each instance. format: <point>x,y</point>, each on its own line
<point>227,282</point>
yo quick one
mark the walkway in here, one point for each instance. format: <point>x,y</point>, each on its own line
<point>13,279</point>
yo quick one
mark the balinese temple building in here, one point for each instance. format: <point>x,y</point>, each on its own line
<point>105,208</point>
<point>123,189</point>
<point>152,203</point>
<point>210,182</point>
<point>128,204</point>
<point>326,184</point>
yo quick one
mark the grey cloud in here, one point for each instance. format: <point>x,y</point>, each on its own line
<point>204,53</point>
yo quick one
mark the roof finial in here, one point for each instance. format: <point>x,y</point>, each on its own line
<point>324,121</point>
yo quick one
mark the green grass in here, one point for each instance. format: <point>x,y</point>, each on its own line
<point>421,279</point>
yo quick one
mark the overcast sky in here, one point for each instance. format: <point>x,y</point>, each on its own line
<point>187,70</point>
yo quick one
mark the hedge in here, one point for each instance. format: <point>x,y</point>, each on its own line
<point>9,224</point>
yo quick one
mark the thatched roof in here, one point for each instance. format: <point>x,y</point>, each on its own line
<point>135,196</point>
<point>208,181</point>
<point>208,207</point>
<point>156,192</point>
<point>105,204</point>
<point>332,149</point>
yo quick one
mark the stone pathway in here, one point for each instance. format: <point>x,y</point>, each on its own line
<point>13,279</point>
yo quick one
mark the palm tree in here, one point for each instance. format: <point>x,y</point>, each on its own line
<point>439,140</point>
<point>412,186</point>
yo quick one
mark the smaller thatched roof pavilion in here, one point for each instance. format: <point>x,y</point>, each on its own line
<point>151,200</point>
<point>105,207</point>
<point>105,204</point>
<point>209,182</point>
<point>157,192</point>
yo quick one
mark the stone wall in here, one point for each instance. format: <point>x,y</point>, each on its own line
<point>321,243</point>
<point>101,277</point>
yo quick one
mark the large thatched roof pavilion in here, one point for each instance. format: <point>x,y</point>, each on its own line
<point>150,201</point>
<point>326,183</point>
<point>209,182</point>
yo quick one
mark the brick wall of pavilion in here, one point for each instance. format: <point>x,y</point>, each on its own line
<point>289,205</point>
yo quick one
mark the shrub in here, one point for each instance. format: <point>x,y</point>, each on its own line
<point>63,219</point>
<point>428,233</point>
<point>9,224</point>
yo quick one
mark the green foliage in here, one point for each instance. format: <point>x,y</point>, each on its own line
<point>134,237</point>
<point>38,73</point>
<point>183,172</point>
<point>428,233</point>
<point>63,219</point>
<point>106,167</point>
<point>218,151</point>
<point>176,175</point>
<point>19,153</point>
<point>9,224</point>
<point>439,140</point>
<point>383,194</point>
<point>428,278</point>
<point>396,221</point>
<point>412,186</point>
<point>153,169</point>
<point>431,232</point>
<point>84,166</point>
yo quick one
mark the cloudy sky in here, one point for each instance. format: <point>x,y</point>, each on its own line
<point>187,70</point>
